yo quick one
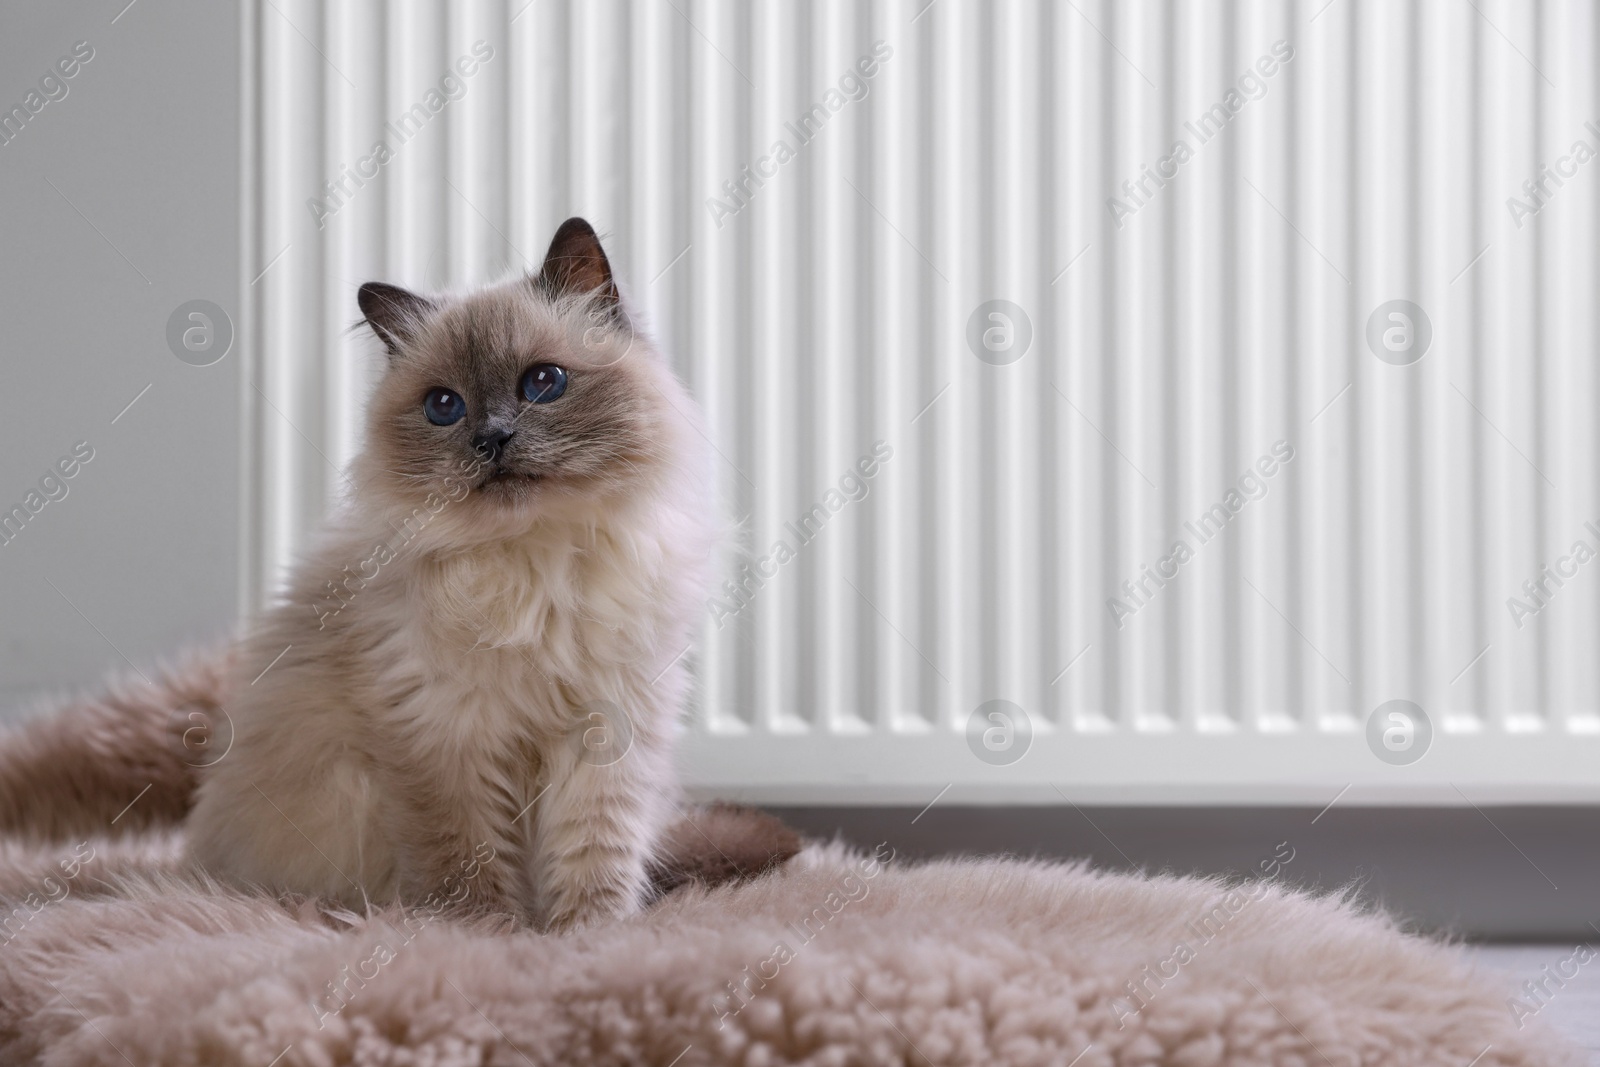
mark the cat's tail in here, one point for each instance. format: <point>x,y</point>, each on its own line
<point>720,842</point>
<point>125,759</point>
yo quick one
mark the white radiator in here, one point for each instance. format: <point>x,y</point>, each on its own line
<point>1208,351</point>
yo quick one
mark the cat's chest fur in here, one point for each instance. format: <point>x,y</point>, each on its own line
<point>513,638</point>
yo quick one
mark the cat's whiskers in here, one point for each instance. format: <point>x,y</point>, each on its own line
<point>410,476</point>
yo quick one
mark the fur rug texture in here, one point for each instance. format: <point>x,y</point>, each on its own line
<point>112,953</point>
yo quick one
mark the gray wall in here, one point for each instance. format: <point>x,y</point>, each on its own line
<point>143,154</point>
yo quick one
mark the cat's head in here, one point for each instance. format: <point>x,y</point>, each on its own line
<point>534,397</point>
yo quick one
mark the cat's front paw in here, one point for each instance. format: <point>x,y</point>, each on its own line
<point>591,909</point>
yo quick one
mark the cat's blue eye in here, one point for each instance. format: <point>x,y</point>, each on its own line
<point>443,407</point>
<point>543,382</point>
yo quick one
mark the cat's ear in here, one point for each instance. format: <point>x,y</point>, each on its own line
<point>577,264</point>
<point>395,314</point>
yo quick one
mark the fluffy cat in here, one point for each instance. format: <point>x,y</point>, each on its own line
<point>472,683</point>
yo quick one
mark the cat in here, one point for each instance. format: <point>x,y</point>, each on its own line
<point>480,666</point>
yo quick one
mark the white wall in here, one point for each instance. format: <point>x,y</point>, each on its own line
<point>143,155</point>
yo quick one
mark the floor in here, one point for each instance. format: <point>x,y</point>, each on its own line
<point>1572,1008</point>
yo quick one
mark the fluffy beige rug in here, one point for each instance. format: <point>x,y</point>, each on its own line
<point>110,953</point>
<point>836,959</point>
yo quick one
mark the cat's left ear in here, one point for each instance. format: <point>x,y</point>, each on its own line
<point>577,264</point>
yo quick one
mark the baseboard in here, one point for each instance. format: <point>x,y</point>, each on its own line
<point>1524,873</point>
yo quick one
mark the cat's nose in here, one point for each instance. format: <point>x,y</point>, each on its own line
<point>490,443</point>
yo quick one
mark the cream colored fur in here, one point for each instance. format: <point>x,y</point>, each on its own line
<point>473,697</point>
